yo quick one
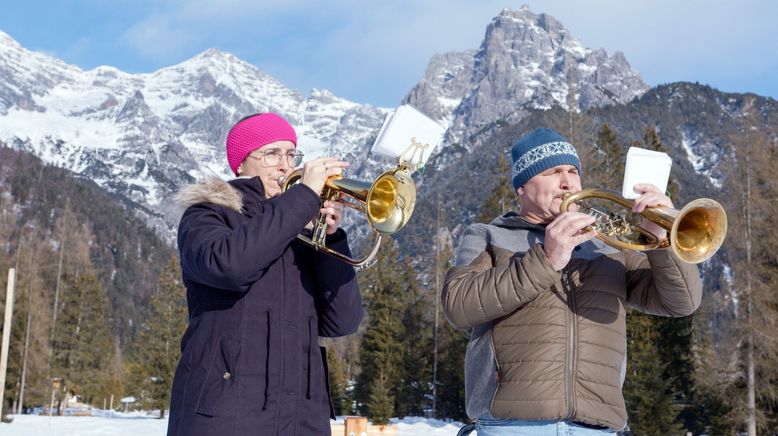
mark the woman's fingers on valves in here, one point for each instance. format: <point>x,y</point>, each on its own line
<point>335,166</point>
<point>325,166</point>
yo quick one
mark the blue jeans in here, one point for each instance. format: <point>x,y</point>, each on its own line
<point>517,427</point>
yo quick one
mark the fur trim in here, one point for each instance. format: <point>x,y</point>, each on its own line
<point>211,190</point>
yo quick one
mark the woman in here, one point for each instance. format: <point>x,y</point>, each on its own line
<point>259,299</point>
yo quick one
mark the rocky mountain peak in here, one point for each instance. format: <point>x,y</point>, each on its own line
<point>525,60</point>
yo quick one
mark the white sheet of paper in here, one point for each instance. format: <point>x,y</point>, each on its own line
<point>645,166</point>
<point>400,126</point>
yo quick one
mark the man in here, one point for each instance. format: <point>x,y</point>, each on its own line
<point>258,298</point>
<point>547,303</point>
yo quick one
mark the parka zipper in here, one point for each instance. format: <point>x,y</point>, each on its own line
<point>267,363</point>
<point>311,332</point>
<point>498,372</point>
<point>571,339</point>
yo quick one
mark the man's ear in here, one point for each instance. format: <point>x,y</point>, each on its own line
<point>240,169</point>
<point>520,191</point>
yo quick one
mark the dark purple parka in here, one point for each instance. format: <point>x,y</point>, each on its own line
<point>258,302</point>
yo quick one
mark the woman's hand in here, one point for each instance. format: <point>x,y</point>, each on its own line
<point>333,214</point>
<point>317,171</point>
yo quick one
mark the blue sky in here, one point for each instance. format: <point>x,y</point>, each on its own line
<point>374,52</point>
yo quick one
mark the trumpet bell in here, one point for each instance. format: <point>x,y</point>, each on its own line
<point>699,230</point>
<point>390,202</point>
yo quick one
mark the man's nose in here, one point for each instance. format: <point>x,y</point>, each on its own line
<point>566,181</point>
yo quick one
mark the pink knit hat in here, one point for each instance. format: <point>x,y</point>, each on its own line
<point>253,132</point>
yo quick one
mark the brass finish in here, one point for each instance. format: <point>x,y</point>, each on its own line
<point>388,204</point>
<point>696,232</point>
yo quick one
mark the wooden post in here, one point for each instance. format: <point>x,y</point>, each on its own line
<point>56,383</point>
<point>9,307</point>
<point>356,426</point>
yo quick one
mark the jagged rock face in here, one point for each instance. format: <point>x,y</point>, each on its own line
<point>445,83</point>
<point>525,61</point>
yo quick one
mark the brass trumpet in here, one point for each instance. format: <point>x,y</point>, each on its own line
<point>387,202</point>
<point>695,232</point>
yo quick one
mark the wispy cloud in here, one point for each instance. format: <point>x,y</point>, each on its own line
<point>159,37</point>
<point>378,50</point>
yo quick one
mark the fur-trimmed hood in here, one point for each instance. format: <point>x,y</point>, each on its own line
<point>211,190</point>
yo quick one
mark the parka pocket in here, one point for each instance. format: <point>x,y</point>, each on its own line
<point>220,378</point>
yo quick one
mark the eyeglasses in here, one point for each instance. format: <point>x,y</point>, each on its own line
<point>273,158</point>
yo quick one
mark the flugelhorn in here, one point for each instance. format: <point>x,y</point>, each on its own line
<point>695,232</point>
<point>387,203</point>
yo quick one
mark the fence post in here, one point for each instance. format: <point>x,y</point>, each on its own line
<point>356,426</point>
<point>9,307</point>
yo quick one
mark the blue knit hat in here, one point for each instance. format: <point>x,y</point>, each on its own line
<point>538,151</point>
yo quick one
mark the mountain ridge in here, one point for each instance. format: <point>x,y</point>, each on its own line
<point>144,136</point>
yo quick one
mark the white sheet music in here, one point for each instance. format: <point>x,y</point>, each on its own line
<point>399,130</point>
<point>645,166</point>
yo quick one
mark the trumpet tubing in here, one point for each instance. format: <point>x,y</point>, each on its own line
<point>695,232</point>
<point>387,202</point>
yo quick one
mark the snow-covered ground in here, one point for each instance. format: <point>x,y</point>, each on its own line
<point>134,424</point>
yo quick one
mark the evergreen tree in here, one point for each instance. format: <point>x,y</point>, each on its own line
<point>380,403</point>
<point>452,346</point>
<point>607,168</point>
<point>381,353</point>
<point>451,373</point>
<point>84,345</point>
<point>650,402</point>
<point>338,384</point>
<point>503,198</point>
<point>160,336</point>
<point>413,387</point>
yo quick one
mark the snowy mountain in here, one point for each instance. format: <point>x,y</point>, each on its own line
<point>526,61</point>
<point>143,136</point>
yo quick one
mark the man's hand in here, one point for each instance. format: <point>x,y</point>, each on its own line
<point>650,196</point>
<point>564,234</point>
